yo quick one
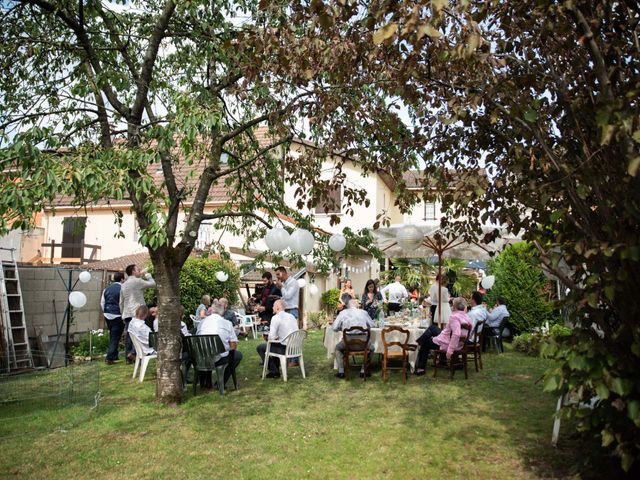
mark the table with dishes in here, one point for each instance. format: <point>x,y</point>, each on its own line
<point>414,326</point>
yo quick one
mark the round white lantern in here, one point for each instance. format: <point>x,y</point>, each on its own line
<point>313,289</point>
<point>409,237</point>
<point>337,242</point>
<point>222,276</point>
<point>488,281</point>
<point>277,239</point>
<point>302,282</point>
<point>77,299</point>
<point>301,241</point>
<point>84,277</point>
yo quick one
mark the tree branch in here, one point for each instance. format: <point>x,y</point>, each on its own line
<point>248,162</point>
<point>149,60</point>
<point>214,216</point>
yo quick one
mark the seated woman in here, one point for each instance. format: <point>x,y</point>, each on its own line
<point>139,329</point>
<point>448,340</point>
<point>201,311</point>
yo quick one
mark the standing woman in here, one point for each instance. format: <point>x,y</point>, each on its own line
<point>346,293</point>
<point>440,301</point>
<point>371,299</point>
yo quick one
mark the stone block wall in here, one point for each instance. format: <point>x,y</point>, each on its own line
<point>45,295</point>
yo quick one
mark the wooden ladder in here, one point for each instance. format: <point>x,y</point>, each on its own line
<point>16,352</point>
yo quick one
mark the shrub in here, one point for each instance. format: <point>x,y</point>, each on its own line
<point>521,281</point>
<point>198,278</point>
<point>534,343</point>
<point>331,298</point>
<point>317,319</point>
<point>95,342</point>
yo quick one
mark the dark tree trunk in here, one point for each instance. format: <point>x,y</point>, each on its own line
<point>169,379</point>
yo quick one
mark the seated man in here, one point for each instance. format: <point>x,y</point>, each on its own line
<point>497,314</point>
<point>230,315</point>
<point>450,339</point>
<point>215,324</point>
<point>282,324</point>
<point>139,329</point>
<point>352,316</point>
<point>478,313</point>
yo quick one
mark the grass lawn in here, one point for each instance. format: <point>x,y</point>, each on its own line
<point>497,424</point>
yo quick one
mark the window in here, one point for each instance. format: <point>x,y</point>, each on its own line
<point>429,211</point>
<point>331,201</point>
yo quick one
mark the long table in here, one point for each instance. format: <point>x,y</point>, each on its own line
<point>332,338</point>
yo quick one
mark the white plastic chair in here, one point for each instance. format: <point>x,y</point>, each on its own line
<point>294,349</point>
<point>247,322</point>
<point>140,358</point>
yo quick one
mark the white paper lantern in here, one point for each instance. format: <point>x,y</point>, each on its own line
<point>409,237</point>
<point>277,239</point>
<point>77,299</point>
<point>301,241</point>
<point>337,242</point>
<point>313,289</point>
<point>84,277</point>
<point>488,281</point>
<point>302,282</point>
<point>222,276</point>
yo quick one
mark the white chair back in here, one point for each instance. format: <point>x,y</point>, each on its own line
<point>294,343</point>
<point>137,345</point>
<point>193,318</point>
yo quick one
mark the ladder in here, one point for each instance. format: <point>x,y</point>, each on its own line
<point>16,352</point>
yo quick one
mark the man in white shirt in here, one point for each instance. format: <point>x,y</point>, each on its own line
<point>498,313</point>
<point>396,293</point>
<point>282,324</point>
<point>290,290</point>
<point>216,324</point>
<point>139,329</point>
<point>352,316</point>
<point>478,313</point>
<point>132,296</point>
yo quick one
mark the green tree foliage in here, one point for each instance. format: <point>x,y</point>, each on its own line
<point>157,104</point>
<point>521,281</point>
<point>543,96</point>
<point>331,298</point>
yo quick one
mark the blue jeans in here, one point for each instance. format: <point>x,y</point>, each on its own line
<point>115,327</point>
<point>293,311</point>
<point>128,344</point>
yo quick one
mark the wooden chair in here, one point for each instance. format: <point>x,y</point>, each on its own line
<point>354,347</point>
<point>458,359</point>
<point>474,345</point>
<point>402,354</point>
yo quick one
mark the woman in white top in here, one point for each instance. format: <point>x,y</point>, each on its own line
<point>440,298</point>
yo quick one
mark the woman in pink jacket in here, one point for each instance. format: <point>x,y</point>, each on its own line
<point>450,339</point>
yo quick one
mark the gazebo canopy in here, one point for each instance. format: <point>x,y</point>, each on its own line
<point>440,242</point>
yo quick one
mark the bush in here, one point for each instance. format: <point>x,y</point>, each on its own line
<point>330,299</point>
<point>521,281</point>
<point>534,342</point>
<point>317,319</point>
<point>96,345</point>
<point>198,278</point>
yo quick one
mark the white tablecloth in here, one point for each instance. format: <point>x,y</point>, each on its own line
<point>332,338</point>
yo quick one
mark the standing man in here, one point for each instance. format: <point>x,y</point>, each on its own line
<point>110,304</point>
<point>282,324</point>
<point>289,288</point>
<point>131,297</point>
<point>396,293</point>
<point>267,298</point>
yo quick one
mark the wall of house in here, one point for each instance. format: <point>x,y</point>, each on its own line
<point>26,243</point>
<point>417,214</point>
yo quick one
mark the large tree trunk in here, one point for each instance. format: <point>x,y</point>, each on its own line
<point>169,379</point>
